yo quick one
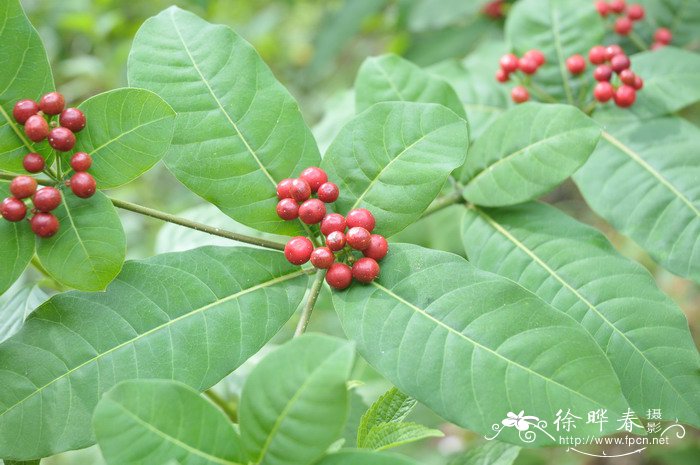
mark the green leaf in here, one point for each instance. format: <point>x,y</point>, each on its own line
<point>359,457</point>
<point>29,462</point>
<point>437,14</point>
<point>295,418</point>
<point>473,346</point>
<point>155,421</point>
<point>394,158</point>
<point>89,248</point>
<point>192,317</point>
<point>559,28</point>
<point>392,407</point>
<point>527,152</point>
<point>238,131</point>
<point>25,73</point>
<point>390,78</point>
<point>17,248</point>
<point>388,435</point>
<point>128,131</point>
<point>642,179</point>
<point>490,453</point>
<point>573,267</point>
<point>16,305</point>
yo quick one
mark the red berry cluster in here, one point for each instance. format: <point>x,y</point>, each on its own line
<point>528,64</point>
<point>609,60</point>
<point>343,235</point>
<point>627,15</point>
<point>36,118</point>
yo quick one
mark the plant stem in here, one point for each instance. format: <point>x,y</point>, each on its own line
<point>634,37</point>
<point>543,94</point>
<point>220,402</point>
<point>43,182</point>
<point>310,302</point>
<point>444,202</point>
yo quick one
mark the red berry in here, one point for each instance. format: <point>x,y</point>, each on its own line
<point>378,247</point>
<point>509,63</point>
<point>312,211</point>
<point>300,190</point>
<point>44,224</point>
<point>663,36</point>
<point>298,250</point>
<point>24,109</point>
<point>619,62</point>
<point>333,222</point>
<point>36,128</point>
<point>617,6</point>
<point>657,45</point>
<point>603,8</point>
<point>358,238</point>
<point>62,139</point>
<point>365,270</point>
<point>612,50</point>
<point>623,25</point>
<point>33,162</point>
<point>536,55</point>
<point>603,91</point>
<point>339,276</point>
<point>528,65</point>
<point>288,209</point>
<point>638,83</point>
<point>80,161</point>
<point>52,103</point>
<point>23,187</point>
<point>597,54</point>
<point>502,76</point>
<point>13,209</point>
<point>284,189</point>
<point>627,77</point>
<point>493,9</point>
<point>328,192</point>
<point>314,176</point>
<point>360,217</point>
<point>519,94</point>
<point>322,257</point>
<point>335,240</point>
<point>602,73</point>
<point>576,64</point>
<point>83,185</point>
<point>635,12</point>
<point>625,96</point>
<point>73,119</point>
<point>47,199</point>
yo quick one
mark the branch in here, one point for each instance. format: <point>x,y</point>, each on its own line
<point>220,402</point>
<point>444,202</point>
<point>310,302</point>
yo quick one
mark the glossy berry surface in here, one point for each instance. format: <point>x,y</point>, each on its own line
<point>339,276</point>
<point>44,224</point>
<point>617,6</point>
<point>358,238</point>
<point>623,25</point>
<point>365,270</point>
<point>603,91</point>
<point>288,209</point>
<point>612,50</point>
<point>528,65</point>
<point>23,187</point>
<point>627,77</point>
<point>47,199</point>
<point>52,103</point>
<point>328,192</point>
<point>300,190</point>
<point>33,162</point>
<point>62,139</point>
<point>625,96</point>
<point>312,211</point>
<point>638,83</point>
<point>80,161</point>
<point>322,257</point>
<point>597,55</point>
<point>619,62</point>
<point>360,217</point>
<point>333,222</point>
<point>635,12</point>
<point>602,73</point>
<point>663,36</point>
<point>602,7</point>
<point>314,176</point>
<point>83,185</point>
<point>73,119</point>
<point>335,241</point>
<point>284,189</point>
<point>378,247</point>
<point>36,128</point>
<point>13,209</point>
<point>576,64</point>
<point>536,55</point>
<point>298,250</point>
<point>501,76</point>
<point>24,109</point>
<point>509,63</point>
<point>519,94</point>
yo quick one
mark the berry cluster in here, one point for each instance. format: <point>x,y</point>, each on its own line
<point>609,60</point>
<point>343,235</point>
<point>528,64</point>
<point>38,125</point>
<point>626,16</point>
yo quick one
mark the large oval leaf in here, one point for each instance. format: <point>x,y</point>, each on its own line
<point>295,418</point>
<point>394,158</point>
<point>160,421</point>
<point>17,248</point>
<point>643,179</point>
<point>573,267</point>
<point>238,131</point>
<point>526,152</point>
<point>192,317</point>
<point>89,248</point>
<point>474,346</point>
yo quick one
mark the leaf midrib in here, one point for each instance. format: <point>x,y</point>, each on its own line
<point>554,19</point>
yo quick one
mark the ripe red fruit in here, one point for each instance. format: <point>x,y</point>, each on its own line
<point>602,73</point>
<point>638,83</point>
<point>519,94</point>
<point>627,77</point>
<point>47,199</point>
<point>536,55</point>
<point>24,109</point>
<point>617,6</point>
<point>52,103</point>
<point>339,276</point>
<point>36,128</point>
<point>314,176</point>
<point>603,91</point>
<point>335,240</point>
<point>33,162</point>
<point>288,209</point>
<point>378,247</point>
<point>528,65</point>
<point>312,211</point>
<point>576,64</point>
<point>283,188</point>
<point>23,187</point>
<point>623,25</point>
<point>358,238</point>
<point>493,9</point>
<point>612,50</point>
<point>62,139</point>
<point>360,217</point>
<point>322,257</point>
<point>80,161</point>
<point>333,222</point>
<point>502,76</point>
<point>328,192</point>
<point>635,12</point>
<point>298,250</point>
<point>509,63</point>
<point>603,8</point>
<point>44,224</point>
<point>619,62</point>
<point>83,185</point>
<point>13,209</point>
<point>365,270</point>
<point>73,119</point>
<point>597,55</point>
<point>300,190</point>
<point>663,36</point>
<point>625,96</point>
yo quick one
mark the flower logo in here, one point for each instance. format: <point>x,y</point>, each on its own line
<point>520,421</point>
